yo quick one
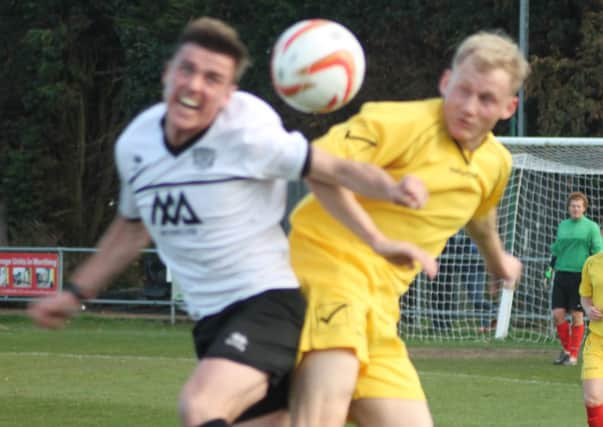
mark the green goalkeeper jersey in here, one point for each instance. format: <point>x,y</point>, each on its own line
<point>577,239</point>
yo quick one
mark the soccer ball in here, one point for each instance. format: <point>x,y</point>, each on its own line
<point>317,66</point>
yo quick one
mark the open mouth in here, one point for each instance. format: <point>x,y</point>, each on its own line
<point>187,102</point>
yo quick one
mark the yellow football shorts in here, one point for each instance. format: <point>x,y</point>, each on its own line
<point>592,357</point>
<point>352,304</point>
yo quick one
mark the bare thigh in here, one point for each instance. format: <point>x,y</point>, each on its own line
<point>390,413</point>
<point>323,387</point>
<point>220,388</point>
<point>275,419</point>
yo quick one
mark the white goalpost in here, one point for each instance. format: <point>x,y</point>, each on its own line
<point>457,306</point>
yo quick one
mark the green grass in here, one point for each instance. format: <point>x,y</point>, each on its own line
<point>525,391</point>
<point>103,372</point>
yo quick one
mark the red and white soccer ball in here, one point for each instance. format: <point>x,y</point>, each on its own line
<point>317,66</point>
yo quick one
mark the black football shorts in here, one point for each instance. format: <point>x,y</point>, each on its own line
<point>262,332</point>
<point>566,290</point>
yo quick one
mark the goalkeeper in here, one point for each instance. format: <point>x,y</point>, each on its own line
<point>352,359</point>
<point>577,238</point>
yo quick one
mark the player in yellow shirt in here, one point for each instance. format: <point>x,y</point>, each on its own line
<point>591,298</point>
<point>352,361</point>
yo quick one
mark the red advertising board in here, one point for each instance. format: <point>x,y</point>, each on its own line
<point>28,274</point>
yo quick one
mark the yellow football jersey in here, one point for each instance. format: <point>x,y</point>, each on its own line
<point>409,138</point>
<point>591,286</point>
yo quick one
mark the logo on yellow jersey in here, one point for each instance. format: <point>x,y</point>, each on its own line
<point>327,312</point>
<point>370,142</point>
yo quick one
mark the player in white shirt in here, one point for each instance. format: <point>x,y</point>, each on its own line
<point>203,175</point>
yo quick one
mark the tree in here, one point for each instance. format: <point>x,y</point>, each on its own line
<point>74,72</point>
<point>566,86</point>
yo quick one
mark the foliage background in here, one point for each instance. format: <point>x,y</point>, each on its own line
<point>75,71</point>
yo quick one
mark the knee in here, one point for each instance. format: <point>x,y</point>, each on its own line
<point>592,399</point>
<point>195,407</point>
<point>577,318</point>
<point>188,405</point>
<point>559,316</point>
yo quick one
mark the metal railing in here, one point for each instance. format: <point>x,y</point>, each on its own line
<point>62,252</point>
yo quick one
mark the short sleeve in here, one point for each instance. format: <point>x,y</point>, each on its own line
<point>597,241</point>
<point>271,152</point>
<point>362,138</point>
<point>586,289</point>
<point>498,189</point>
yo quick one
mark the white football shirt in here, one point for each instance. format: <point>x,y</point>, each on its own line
<point>214,206</point>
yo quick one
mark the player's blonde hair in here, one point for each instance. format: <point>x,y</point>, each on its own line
<point>492,50</point>
<point>217,36</point>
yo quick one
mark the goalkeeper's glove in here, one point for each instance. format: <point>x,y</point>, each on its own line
<point>548,273</point>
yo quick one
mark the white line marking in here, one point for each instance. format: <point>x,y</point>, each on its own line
<point>501,379</point>
<point>94,356</point>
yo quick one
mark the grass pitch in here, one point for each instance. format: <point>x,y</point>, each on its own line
<point>107,372</point>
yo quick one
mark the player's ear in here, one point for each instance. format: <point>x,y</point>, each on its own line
<point>165,81</point>
<point>444,80</point>
<point>509,108</point>
<point>164,73</point>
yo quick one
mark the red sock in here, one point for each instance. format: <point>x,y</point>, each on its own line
<point>563,332</point>
<point>595,416</point>
<point>576,340</point>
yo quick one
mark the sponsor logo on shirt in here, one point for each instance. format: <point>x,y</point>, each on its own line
<point>168,209</point>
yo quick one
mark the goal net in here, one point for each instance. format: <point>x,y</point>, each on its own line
<point>457,305</point>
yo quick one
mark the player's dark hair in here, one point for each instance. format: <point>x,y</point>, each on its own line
<point>219,37</point>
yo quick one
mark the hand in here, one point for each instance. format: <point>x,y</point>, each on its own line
<point>406,254</point>
<point>493,288</point>
<point>509,269</point>
<point>411,192</point>
<point>54,311</point>
<point>548,273</point>
<point>594,313</point>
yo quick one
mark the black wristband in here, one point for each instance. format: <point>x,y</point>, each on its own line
<point>74,290</point>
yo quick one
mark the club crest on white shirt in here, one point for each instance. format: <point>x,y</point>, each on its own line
<point>204,157</point>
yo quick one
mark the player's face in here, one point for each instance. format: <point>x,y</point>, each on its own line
<point>197,85</point>
<point>576,208</point>
<point>474,101</point>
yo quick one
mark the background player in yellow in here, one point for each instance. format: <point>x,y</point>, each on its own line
<point>591,297</point>
<point>352,358</point>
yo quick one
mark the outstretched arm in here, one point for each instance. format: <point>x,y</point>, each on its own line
<point>342,204</point>
<point>499,263</point>
<point>366,179</point>
<point>120,245</point>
